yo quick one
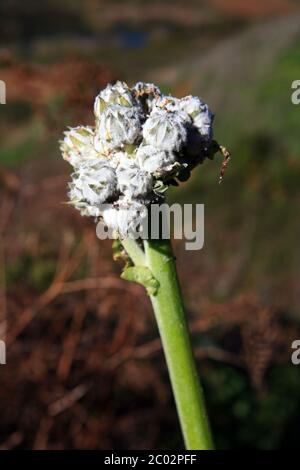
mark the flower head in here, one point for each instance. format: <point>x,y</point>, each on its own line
<point>93,183</point>
<point>77,145</point>
<point>165,130</point>
<point>133,180</point>
<point>118,125</point>
<point>119,94</point>
<point>141,141</point>
<point>200,114</point>
<point>152,159</point>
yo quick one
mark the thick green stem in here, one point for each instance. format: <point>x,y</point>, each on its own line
<point>169,312</point>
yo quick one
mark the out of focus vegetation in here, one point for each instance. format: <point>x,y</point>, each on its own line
<point>85,369</point>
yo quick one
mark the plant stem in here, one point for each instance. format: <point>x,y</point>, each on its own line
<point>170,316</point>
<point>134,251</point>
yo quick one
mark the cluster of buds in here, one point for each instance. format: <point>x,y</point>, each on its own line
<point>142,142</point>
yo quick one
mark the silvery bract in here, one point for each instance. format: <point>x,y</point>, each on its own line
<point>142,140</point>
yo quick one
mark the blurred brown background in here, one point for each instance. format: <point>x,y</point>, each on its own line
<point>84,367</point>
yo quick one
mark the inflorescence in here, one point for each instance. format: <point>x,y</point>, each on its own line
<point>142,142</point>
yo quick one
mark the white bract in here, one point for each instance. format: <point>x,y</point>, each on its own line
<point>141,141</point>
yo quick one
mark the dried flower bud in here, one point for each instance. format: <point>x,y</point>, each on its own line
<point>118,125</point>
<point>132,180</point>
<point>200,113</point>
<point>92,184</point>
<point>152,159</point>
<point>77,145</point>
<point>147,93</point>
<point>119,94</point>
<point>165,130</point>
